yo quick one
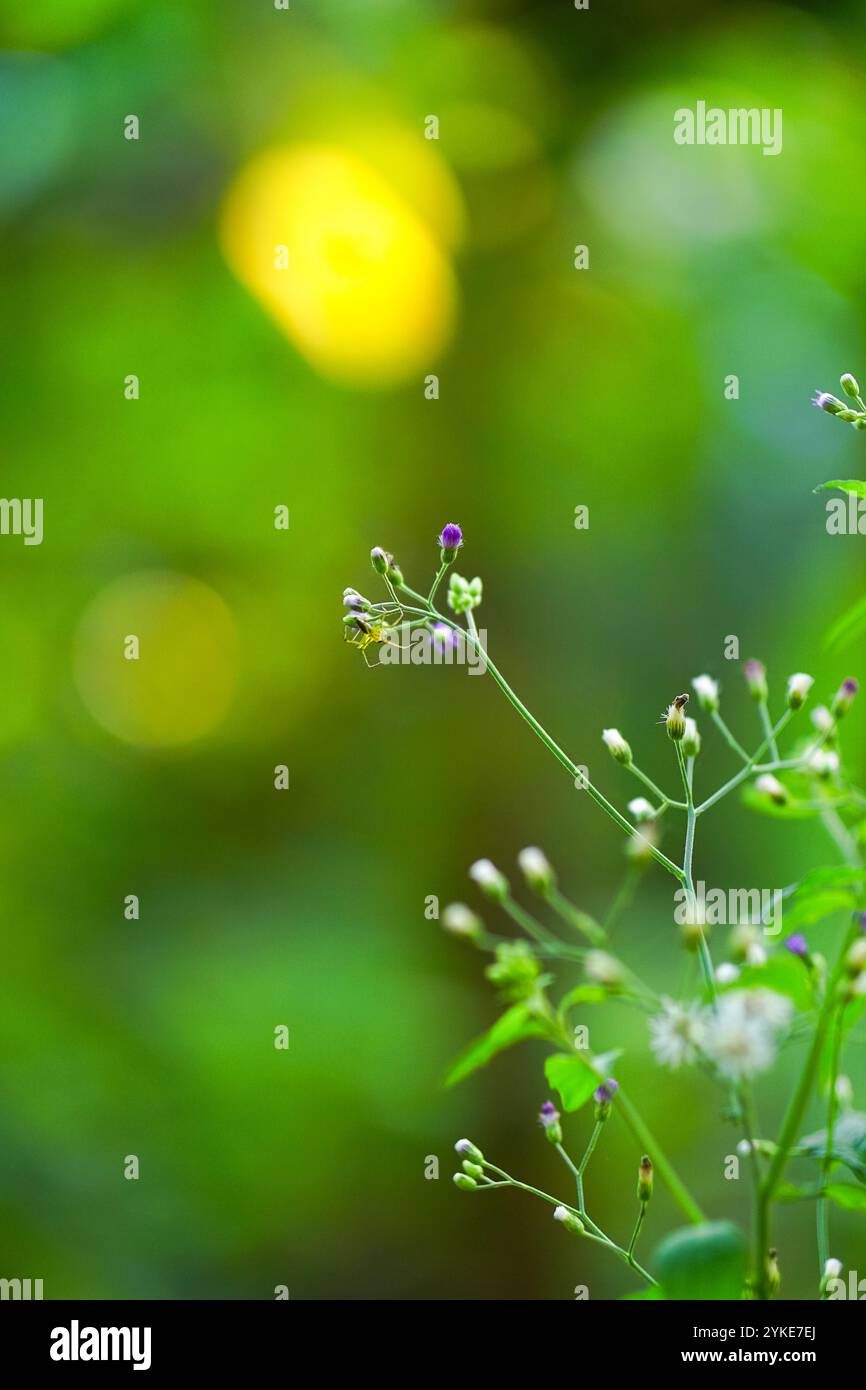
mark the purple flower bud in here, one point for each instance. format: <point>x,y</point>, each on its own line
<point>444,636</point>
<point>844,697</point>
<point>605,1093</point>
<point>450,540</point>
<point>823,400</point>
<point>548,1115</point>
<point>797,945</point>
<point>860,919</point>
<point>756,678</point>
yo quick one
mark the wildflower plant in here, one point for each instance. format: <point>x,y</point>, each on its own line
<point>766,993</point>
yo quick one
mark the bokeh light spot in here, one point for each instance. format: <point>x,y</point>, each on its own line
<point>368,294</point>
<point>182,683</point>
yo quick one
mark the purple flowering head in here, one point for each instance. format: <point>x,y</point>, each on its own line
<point>860,919</point>
<point>797,945</point>
<point>451,539</point>
<point>604,1094</point>
<point>850,685</point>
<point>823,400</point>
<point>548,1114</point>
<point>444,636</point>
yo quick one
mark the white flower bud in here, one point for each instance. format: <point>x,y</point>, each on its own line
<point>568,1219</point>
<point>726,973</point>
<point>491,882</point>
<point>640,809</point>
<point>824,763</point>
<point>461,921</point>
<point>832,1269</point>
<point>799,686</point>
<point>822,719</point>
<point>534,866</point>
<point>770,786</point>
<point>616,746</point>
<point>707,691</point>
<point>604,969</point>
<point>691,739</point>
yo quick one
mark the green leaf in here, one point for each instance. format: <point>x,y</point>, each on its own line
<point>785,974</point>
<point>833,876</point>
<point>814,907</point>
<point>576,1077</point>
<point>853,485</point>
<point>849,1143</point>
<point>515,1024</point>
<point>702,1262</point>
<point>845,1196</point>
<point>582,994</point>
<point>765,806</point>
<point>653,1294</point>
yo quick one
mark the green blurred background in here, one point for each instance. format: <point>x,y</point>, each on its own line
<point>557,387</point>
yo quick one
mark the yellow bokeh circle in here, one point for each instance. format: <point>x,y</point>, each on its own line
<point>182,682</point>
<point>345,265</point>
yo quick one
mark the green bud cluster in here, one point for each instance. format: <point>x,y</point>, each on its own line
<point>464,594</point>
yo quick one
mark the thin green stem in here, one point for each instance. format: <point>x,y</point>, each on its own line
<point>665,1169</point>
<point>436,582</point>
<point>657,792</point>
<point>767,726</point>
<point>636,1232</point>
<point>573,917</point>
<point>728,736</point>
<point>562,757</point>
<point>744,772</point>
<point>823,1209</point>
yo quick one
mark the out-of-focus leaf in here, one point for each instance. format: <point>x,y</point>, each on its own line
<point>651,1295</point>
<point>583,994</point>
<point>702,1262</point>
<point>845,1196</point>
<point>576,1077</point>
<point>765,806</point>
<point>515,1024</point>
<point>849,1143</point>
<point>848,627</point>
<point>785,974</point>
<point>814,907</point>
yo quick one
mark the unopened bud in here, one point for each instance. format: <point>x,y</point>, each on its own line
<point>849,385</point>
<point>675,718</point>
<point>474,1170</point>
<point>467,1149</point>
<point>844,697</point>
<point>774,1273</point>
<point>756,679</point>
<point>799,686</point>
<point>379,559</point>
<point>548,1118</point>
<point>568,1219</point>
<point>691,739</point>
<point>603,1096</point>
<point>707,691</point>
<point>492,883</point>
<point>855,960</point>
<point>461,921</point>
<point>616,746</point>
<point>645,1179</point>
<point>770,786</point>
<point>825,401</point>
<point>604,969</point>
<point>464,1182</point>
<point>534,866</point>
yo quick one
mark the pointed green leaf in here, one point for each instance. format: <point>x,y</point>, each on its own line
<point>515,1024</point>
<point>576,1077</point>
<point>856,486</point>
